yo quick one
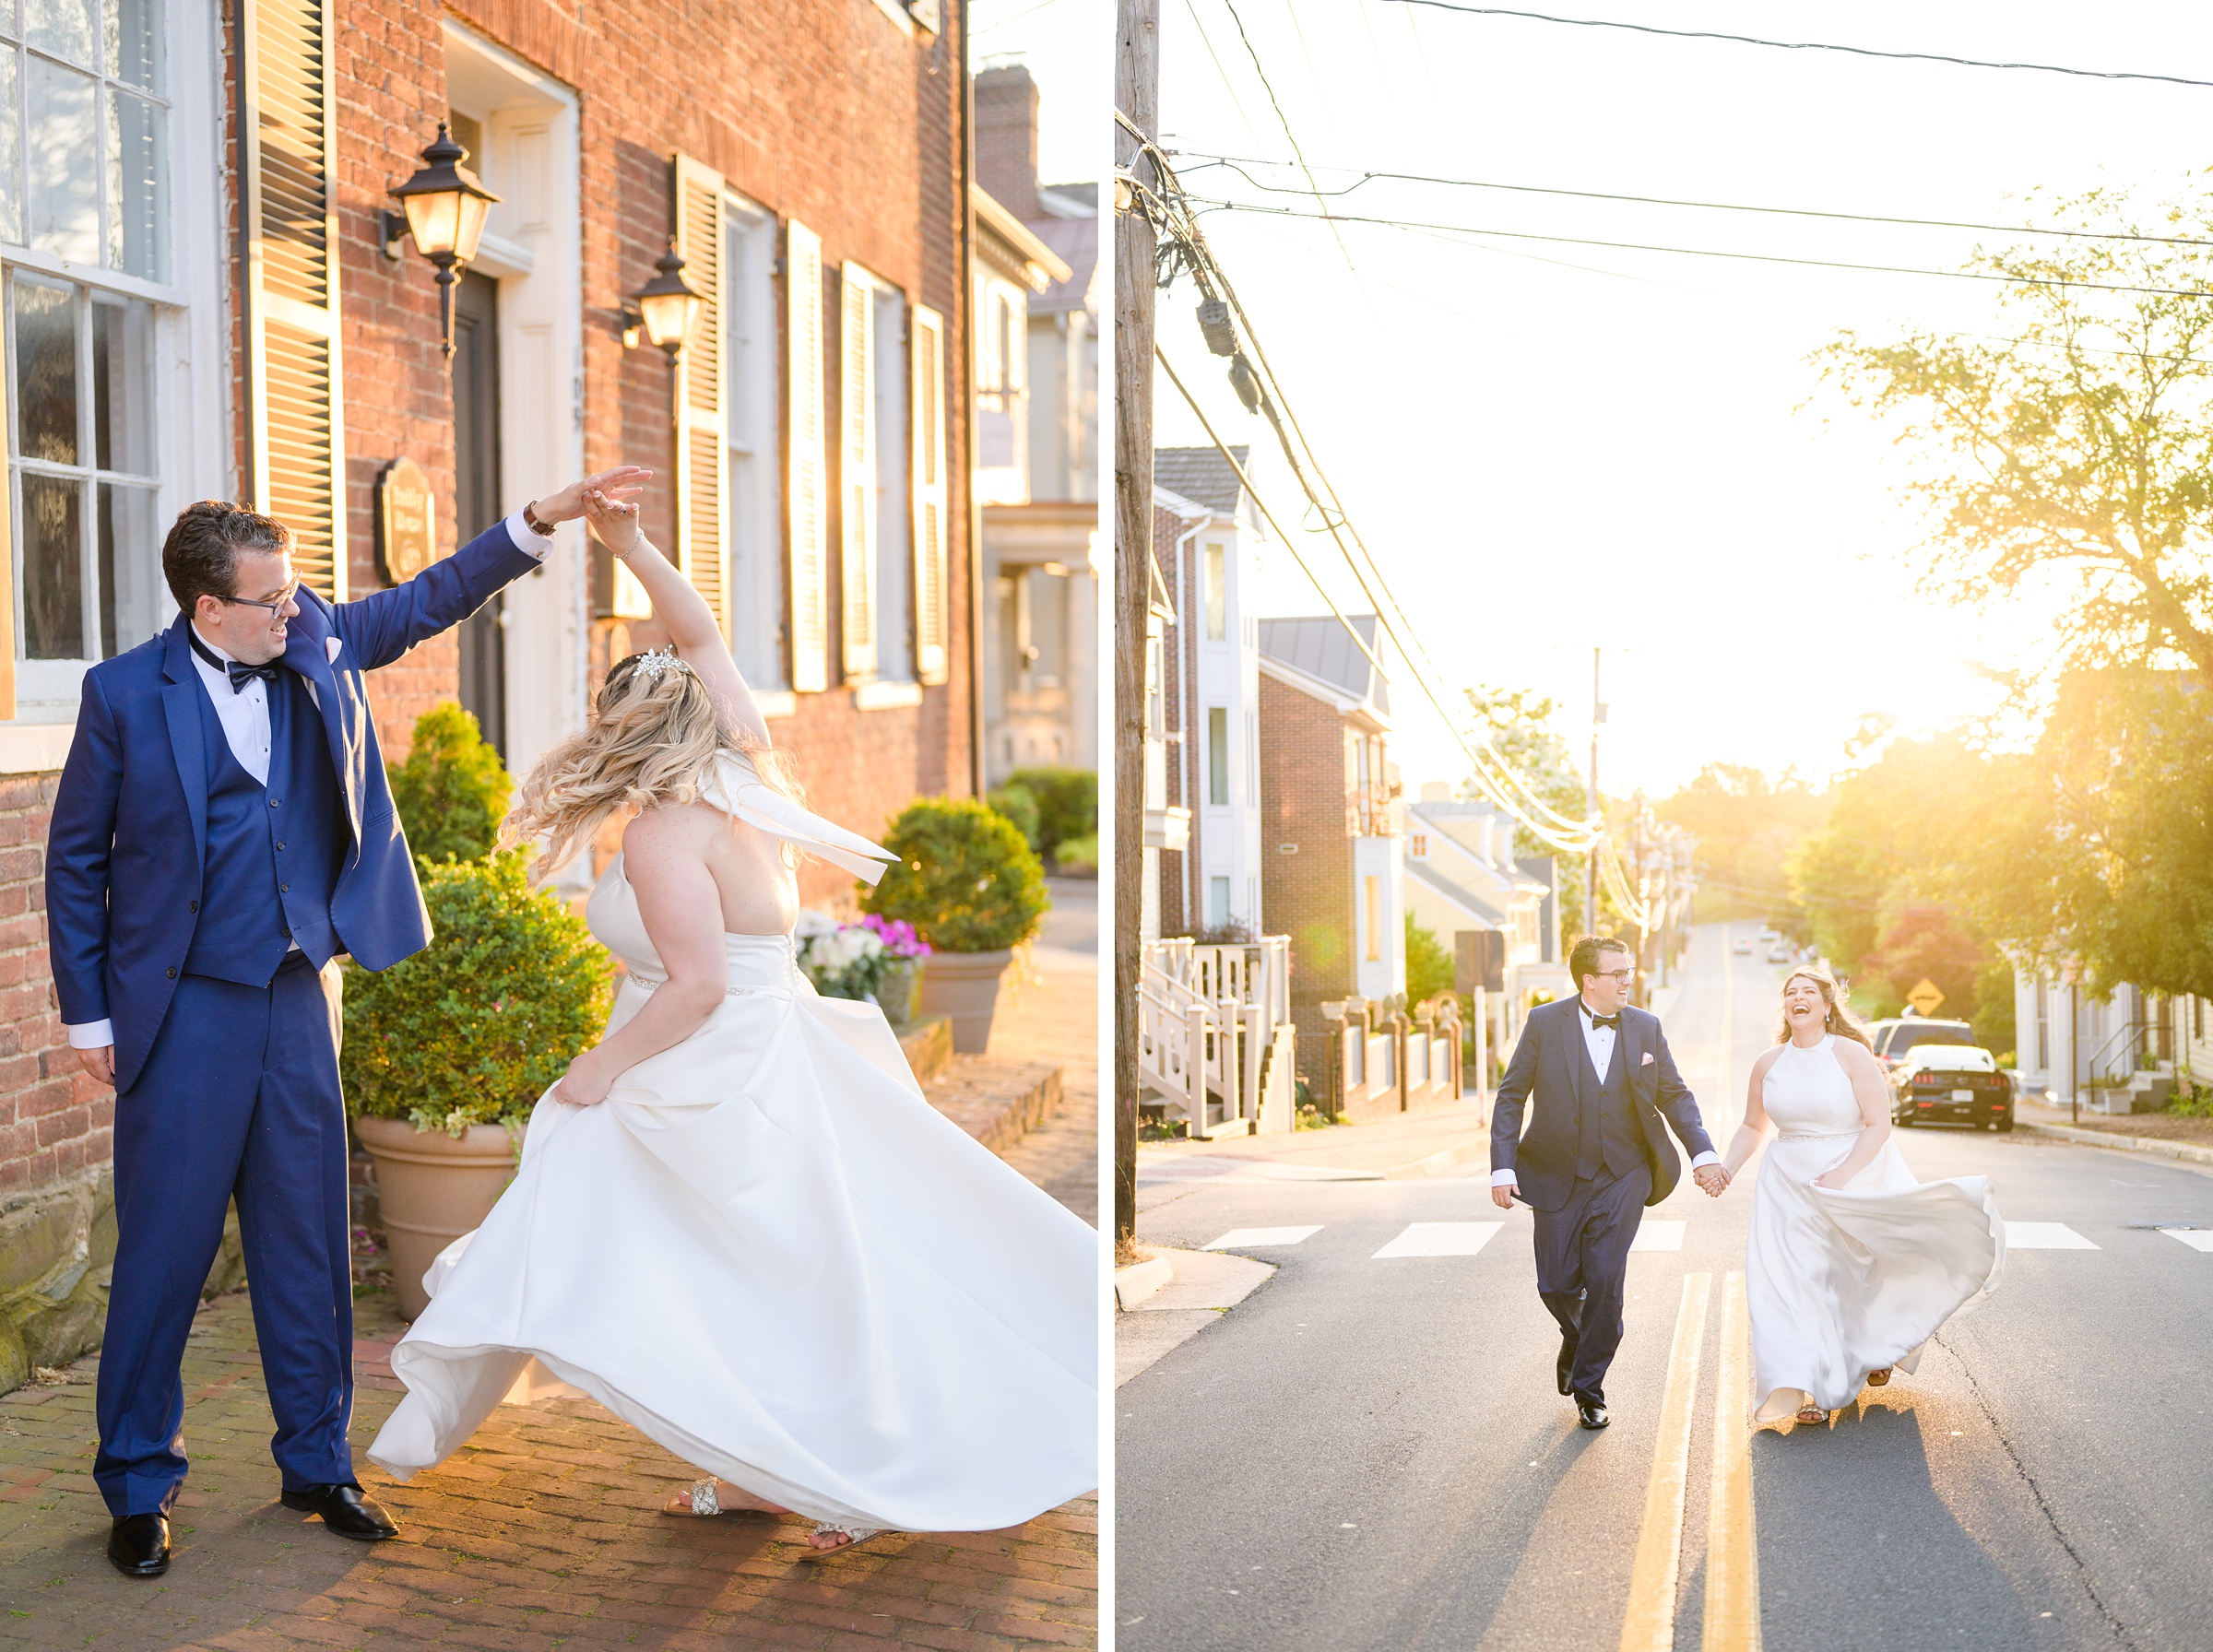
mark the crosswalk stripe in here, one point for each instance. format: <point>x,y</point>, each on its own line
<point>1648,1625</point>
<point>1259,1238</point>
<point>1659,1235</point>
<point>2194,1239</point>
<point>2044,1236</point>
<point>1442,1239</point>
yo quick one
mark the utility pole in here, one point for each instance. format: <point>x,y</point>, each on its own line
<point>1137,100</point>
<point>1598,715</point>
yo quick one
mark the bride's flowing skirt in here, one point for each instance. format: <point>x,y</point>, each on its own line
<point>767,1252</point>
<point>1843,1281</point>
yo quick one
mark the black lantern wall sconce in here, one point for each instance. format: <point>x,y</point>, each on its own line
<point>444,208</point>
<point>664,309</point>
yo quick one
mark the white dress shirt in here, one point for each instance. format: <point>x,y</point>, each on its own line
<point>1600,1042</point>
<point>244,715</point>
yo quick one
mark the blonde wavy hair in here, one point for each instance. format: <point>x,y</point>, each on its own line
<point>1840,1018</point>
<point>653,737</point>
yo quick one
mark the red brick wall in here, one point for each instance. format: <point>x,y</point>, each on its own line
<point>55,1121</point>
<point>1307,895</point>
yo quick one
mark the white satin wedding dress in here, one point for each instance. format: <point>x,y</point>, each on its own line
<point>1843,1281</point>
<point>767,1252</point>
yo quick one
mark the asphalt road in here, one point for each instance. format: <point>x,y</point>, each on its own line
<point>1368,1452</point>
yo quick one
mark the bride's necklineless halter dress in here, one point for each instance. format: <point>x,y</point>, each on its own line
<point>770,1253</point>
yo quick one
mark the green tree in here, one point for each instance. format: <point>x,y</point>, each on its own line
<point>2075,450</point>
<point>1429,964</point>
<point>1748,827</point>
<point>1519,721</point>
<point>452,792</point>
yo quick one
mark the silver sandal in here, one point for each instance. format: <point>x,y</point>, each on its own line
<point>858,1534</point>
<point>703,1501</point>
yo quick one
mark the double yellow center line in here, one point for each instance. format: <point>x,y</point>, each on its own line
<point>1731,1623</point>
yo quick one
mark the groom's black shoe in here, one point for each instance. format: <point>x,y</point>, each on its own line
<point>1592,1414</point>
<point>139,1545</point>
<point>1566,1363</point>
<point>345,1511</point>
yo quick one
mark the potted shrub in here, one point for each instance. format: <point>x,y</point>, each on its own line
<point>972,887</point>
<point>878,961</point>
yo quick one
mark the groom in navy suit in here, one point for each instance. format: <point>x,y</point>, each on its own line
<point>222,834</point>
<point>1598,1078</point>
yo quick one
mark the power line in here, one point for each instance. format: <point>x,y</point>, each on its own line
<point>1633,246</point>
<point>1747,40</point>
<point>1238,164</point>
<point>1284,120</point>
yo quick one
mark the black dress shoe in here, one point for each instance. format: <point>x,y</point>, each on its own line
<point>345,1511</point>
<point>139,1545</point>
<point>1591,1413</point>
<point>1566,1363</point>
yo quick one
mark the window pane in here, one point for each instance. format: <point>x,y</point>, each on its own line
<point>134,42</point>
<point>134,603</point>
<point>136,163</point>
<point>1217,754</point>
<point>65,27</point>
<point>45,371</point>
<point>53,568</point>
<point>64,152</point>
<point>11,149</point>
<point>1217,595</point>
<point>122,413</point>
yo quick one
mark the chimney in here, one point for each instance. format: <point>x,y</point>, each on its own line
<point>1006,138</point>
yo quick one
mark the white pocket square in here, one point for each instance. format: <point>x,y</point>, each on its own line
<point>1648,1059</point>
<point>330,647</point>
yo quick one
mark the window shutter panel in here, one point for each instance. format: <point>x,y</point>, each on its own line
<point>809,461</point>
<point>702,451</point>
<point>294,390</point>
<point>7,571</point>
<point>856,468</point>
<point>926,385</point>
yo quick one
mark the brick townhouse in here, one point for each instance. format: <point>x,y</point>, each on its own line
<point>1331,820</point>
<point>205,297</point>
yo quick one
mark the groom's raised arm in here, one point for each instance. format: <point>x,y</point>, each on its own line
<point>383,625</point>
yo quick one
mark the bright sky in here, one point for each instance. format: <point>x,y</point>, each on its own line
<point>1064,43</point>
<point>1546,457</point>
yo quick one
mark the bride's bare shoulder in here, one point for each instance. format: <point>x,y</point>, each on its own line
<point>667,829</point>
<point>1855,1057</point>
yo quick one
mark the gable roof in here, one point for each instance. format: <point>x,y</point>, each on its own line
<point>1319,647</point>
<point>1203,476</point>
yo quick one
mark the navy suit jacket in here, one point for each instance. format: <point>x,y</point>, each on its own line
<point>1550,1074</point>
<point>129,838</point>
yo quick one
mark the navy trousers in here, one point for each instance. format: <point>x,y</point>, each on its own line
<point>1583,1268</point>
<point>238,1099</point>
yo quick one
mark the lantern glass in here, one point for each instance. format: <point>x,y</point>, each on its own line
<point>668,316</point>
<point>434,219</point>
<point>469,229</point>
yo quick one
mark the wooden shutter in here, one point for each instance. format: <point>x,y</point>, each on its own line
<point>701,443</point>
<point>925,384</point>
<point>809,462</point>
<point>294,389</point>
<point>856,468</point>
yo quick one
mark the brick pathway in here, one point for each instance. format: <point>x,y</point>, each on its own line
<point>540,1533</point>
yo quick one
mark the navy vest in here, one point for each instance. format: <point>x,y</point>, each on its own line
<point>1607,1135</point>
<point>273,852</point>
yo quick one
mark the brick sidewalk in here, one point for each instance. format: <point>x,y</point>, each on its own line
<point>541,1532</point>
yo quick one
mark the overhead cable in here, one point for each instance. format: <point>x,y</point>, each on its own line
<point>1747,40</point>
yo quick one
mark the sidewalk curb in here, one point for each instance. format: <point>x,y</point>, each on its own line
<point>2149,1147</point>
<point>1139,1279</point>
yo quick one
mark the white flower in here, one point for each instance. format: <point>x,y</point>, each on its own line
<point>813,923</point>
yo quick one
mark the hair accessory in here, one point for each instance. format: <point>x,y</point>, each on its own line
<point>655,664</point>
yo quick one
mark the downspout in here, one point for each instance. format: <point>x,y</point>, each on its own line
<point>968,425</point>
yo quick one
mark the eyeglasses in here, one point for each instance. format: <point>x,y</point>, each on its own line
<point>275,606</point>
<point>1624,977</point>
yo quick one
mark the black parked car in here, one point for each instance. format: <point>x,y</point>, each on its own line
<point>1944,1083</point>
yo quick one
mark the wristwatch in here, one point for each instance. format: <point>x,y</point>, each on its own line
<point>531,521</point>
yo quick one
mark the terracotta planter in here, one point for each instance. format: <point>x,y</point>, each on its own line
<point>963,987</point>
<point>433,1188</point>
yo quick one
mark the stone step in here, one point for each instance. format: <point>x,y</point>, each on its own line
<point>995,1101</point>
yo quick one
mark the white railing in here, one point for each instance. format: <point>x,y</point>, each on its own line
<point>1244,987</point>
<point>1188,1050</point>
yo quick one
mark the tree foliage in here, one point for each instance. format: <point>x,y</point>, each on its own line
<point>1747,826</point>
<point>2076,449</point>
<point>1519,721</point>
<point>1428,964</point>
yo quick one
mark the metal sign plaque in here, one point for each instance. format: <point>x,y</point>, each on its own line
<point>406,524</point>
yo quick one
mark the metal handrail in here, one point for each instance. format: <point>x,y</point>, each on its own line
<point>2122,1068</point>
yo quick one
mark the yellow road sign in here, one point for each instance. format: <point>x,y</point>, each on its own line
<point>1925,997</point>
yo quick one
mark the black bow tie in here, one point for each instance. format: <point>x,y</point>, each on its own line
<point>1609,1022</point>
<point>239,672</point>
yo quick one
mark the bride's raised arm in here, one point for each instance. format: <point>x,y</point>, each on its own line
<point>691,627</point>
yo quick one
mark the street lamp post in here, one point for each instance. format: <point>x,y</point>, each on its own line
<point>665,307</point>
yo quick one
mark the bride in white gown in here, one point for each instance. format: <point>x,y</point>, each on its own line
<point>1852,1263</point>
<point>737,1223</point>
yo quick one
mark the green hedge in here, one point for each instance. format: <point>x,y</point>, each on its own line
<point>452,792</point>
<point>1068,806</point>
<point>965,879</point>
<point>474,1028</point>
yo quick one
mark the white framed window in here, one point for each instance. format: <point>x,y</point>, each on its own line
<point>1217,592</point>
<point>115,360</point>
<point>894,510</point>
<point>752,408</point>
